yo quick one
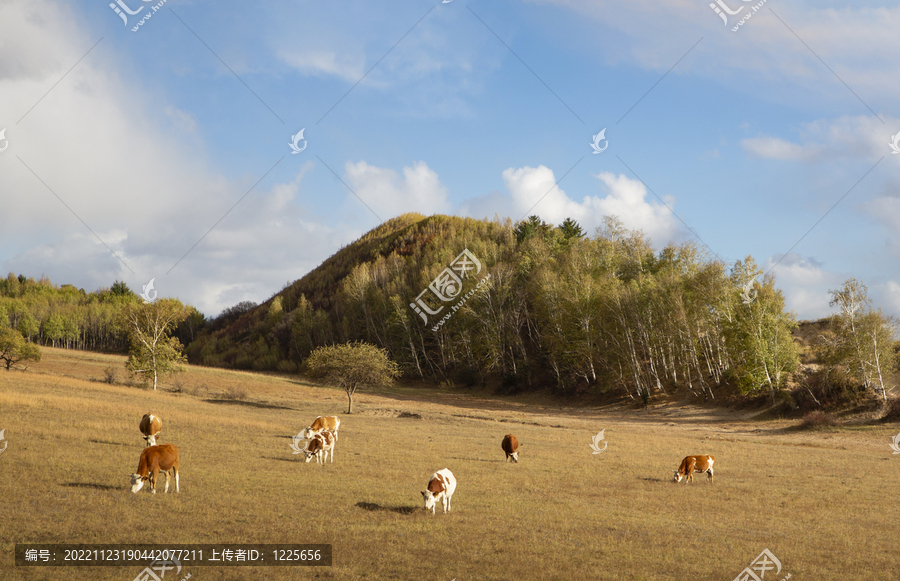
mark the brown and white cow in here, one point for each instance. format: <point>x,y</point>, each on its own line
<point>441,487</point>
<point>510,445</point>
<point>691,464</point>
<point>323,423</point>
<point>150,426</point>
<point>319,446</point>
<point>154,459</point>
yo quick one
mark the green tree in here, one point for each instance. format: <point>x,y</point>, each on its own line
<point>120,289</point>
<point>54,328</point>
<point>533,226</point>
<point>758,331</point>
<point>14,349</point>
<point>862,338</point>
<point>154,351</point>
<point>352,365</point>
<point>571,229</point>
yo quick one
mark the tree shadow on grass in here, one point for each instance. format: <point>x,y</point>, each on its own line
<point>491,460</point>
<point>109,443</point>
<point>249,403</point>
<point>91,485</point>
<point>374,507</point>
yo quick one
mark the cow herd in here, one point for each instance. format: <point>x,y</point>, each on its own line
<point>321,437</point>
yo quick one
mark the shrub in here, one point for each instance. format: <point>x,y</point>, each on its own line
<point>235,393</point>
<point>112,375</point>
<point>817,419</point>
<point>893,411</point>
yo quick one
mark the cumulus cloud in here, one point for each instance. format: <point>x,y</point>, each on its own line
<point>388,194</point>
<point>805,284</point>
<point>532,191</point>
<point>97,156</point>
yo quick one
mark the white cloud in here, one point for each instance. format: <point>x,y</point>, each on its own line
<point>349,68</point>
<point>181,119</point>
<point>103,148</point>
<point>805,284</point>
<point>532,191</point>
<point>857,42</point>
<point>777,148</point>
<point>828,140</point>
<point>389,195</point>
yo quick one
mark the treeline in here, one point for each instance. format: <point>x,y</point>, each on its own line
<point>68,317</point>
<point>559,309</point>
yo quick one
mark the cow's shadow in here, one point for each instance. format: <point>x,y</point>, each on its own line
<point>91,485</point>
<point>374,507</point>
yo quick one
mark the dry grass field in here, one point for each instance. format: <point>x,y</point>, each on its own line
<point>825,503</point>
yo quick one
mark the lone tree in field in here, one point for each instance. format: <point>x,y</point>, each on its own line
<point>154,351</point>
<point>352,365</point>
<point>14,348</point>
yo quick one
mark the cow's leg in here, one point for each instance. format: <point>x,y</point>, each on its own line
<point>176,480</point>
<point>153,474</point>
<point>167,482</point>
<point>709,474</point>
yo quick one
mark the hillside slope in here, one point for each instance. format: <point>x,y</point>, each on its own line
<point>530,306</point>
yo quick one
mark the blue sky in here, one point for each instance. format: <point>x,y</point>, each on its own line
<point>467,107</point>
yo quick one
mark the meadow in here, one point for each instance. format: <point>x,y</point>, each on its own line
<point>824,502</point>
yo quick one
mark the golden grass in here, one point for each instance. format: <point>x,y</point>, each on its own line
<point>824,503</point>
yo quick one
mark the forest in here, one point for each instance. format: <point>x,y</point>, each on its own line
<point>540,307</point>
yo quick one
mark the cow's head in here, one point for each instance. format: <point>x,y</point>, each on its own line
<point>429,500</point>
<point>151,439</point>
<point>136,482</point>
<point>678,476</point>
<point>515,457</point>
<point>311,451</point>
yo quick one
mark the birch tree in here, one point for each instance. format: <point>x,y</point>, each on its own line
<point>153,349</point>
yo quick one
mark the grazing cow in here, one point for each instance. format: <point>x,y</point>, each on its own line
<point>154,459</point>
<point>323,423</point>
<point>441,487</point>
<point>319,446</point>
<point>510,445</point>
<point>150,427</point>
<point>691,464</point>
